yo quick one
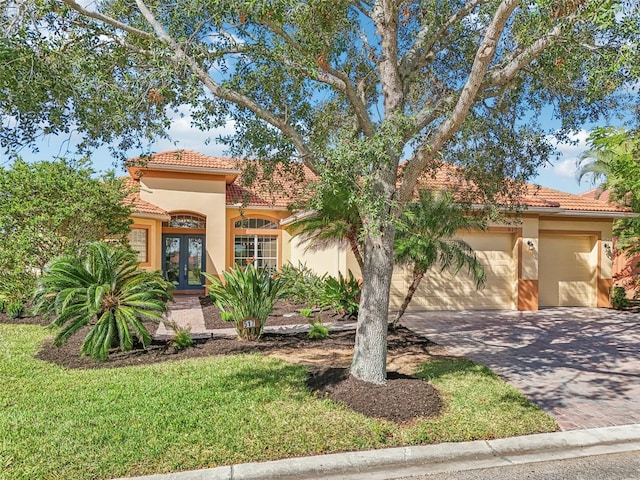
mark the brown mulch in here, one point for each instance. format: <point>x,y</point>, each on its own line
<point>402,399</point>
<point>284,313</point>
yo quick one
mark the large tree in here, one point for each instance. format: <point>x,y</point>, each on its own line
<point>49,209</point>
<point>346,87</point>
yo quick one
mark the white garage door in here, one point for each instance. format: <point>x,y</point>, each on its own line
<point>446,291</point>
<point>567,269</point>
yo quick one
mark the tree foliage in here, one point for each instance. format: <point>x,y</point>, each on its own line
<point>619,150</point>
<point>347,87</point>
<point>49,209</point>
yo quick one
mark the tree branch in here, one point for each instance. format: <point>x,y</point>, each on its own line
<point>229,95</point>
<point>421,50</point>
<point>467,96</point>
<point>108,20</point>
<point>502,75</point>
<point>330,76</point>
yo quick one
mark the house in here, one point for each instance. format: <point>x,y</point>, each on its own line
<point>191,214</point>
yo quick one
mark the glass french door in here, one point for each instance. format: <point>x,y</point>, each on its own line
<point>183,260</point>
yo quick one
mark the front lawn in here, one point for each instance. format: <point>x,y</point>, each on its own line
<point>182,415</point>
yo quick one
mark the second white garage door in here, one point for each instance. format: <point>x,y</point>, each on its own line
<point>567,271</point>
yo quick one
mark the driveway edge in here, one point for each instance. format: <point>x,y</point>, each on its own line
<point>423,459</point>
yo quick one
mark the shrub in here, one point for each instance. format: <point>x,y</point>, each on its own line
<point>342,294</point>
<point>306,312</point>
<point>318,330</point>
<point>303,285</point>
<point>15,309</point>
<point>247,296</point>
<point>3,304</point>
<point>105,290</point>
<point>619,299</point>
<point>181,337</point>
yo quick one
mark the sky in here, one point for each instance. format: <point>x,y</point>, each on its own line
<point>559,174</point>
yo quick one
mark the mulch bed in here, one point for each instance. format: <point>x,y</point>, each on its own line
<point>284,313</point>
<point>402,399</point>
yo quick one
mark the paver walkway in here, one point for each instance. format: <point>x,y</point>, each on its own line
<point>580,365</point>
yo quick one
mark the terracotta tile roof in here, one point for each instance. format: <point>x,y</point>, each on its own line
<point>569,201</point>
<point>186,158</point>
<point>448,176</point>
<point>136,203</point>
<point>597,194</point>
<point>281,190</point>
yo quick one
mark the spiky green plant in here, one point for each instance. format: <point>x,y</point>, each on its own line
<point>15,309</point>
<point>106,290</point>
<point>248,294</point>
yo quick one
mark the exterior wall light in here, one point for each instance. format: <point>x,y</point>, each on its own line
<point>530,245</point>
<point>607,250</point>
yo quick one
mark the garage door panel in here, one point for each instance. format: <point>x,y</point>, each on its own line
<point>567,271</point>
<point>449,291</point>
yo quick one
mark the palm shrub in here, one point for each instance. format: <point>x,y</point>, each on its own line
<point>247,297</point>
<point>342,294</point>
<point>105,290</point>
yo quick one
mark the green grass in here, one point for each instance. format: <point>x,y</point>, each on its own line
<point>68,424</point>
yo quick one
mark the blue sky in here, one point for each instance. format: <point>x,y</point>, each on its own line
<point>559,174</point>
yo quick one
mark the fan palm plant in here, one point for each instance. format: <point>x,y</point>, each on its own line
<point>105,290</point>
<point>335,221</point>
<point>425,237</point>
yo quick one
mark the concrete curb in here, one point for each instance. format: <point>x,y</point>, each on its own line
<point>415,460</point>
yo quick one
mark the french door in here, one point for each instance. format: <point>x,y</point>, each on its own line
<point>183,260</point>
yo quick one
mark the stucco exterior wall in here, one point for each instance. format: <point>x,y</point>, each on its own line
<point>202,195</point>
<point>331,261</point>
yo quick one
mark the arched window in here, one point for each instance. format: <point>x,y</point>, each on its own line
<point>256,241</point>
<point>186,220</point>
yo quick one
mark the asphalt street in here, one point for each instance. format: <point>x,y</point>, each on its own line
<point>619,466</point>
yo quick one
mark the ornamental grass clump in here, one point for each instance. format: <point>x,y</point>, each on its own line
<point>247,297</point>
<point>106,290</point>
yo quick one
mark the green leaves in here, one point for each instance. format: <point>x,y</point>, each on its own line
<point>247,294</point>
<point>49,209</point>
<point>105,290</point>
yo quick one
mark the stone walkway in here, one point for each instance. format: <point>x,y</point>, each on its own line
<point>580,365</point>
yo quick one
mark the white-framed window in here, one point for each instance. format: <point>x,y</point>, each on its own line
<point>256,241</point>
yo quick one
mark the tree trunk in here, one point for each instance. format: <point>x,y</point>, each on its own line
<point>417,278</point>
<point>369,362</point>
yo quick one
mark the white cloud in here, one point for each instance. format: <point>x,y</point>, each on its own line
<point>185,136</point>
<point>566,165</point>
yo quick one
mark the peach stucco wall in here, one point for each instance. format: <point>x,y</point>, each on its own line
<point>205,197</point>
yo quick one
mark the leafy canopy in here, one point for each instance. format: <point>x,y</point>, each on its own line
<point>48,209</point>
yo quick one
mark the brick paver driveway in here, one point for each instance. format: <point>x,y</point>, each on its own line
<point>580,365</point>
